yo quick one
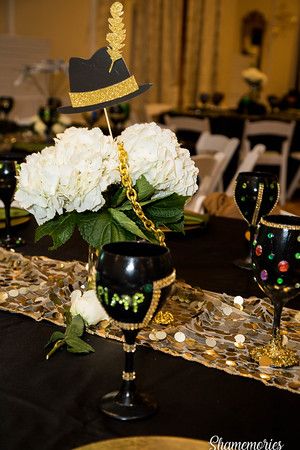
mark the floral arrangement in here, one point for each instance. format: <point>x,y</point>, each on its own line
<point>76,184</point>
<point>254,76</point>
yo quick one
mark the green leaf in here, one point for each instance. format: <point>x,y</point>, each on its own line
<point>75,329</point>
<point>77,345</point>
<point>178,226</point>
<point>60,229</point>
<point>166,210</point>
<point>118,198</point>
<point>100,228</point>
<point>126,223</point>
<point>144,189</point>
<point>56,336</point>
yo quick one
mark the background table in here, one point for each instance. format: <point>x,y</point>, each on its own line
<point>54,404</point>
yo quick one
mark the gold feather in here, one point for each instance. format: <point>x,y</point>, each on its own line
<point>117,36</point>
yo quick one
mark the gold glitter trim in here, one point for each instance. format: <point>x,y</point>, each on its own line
<point>164,318</point>
<point>258,203</point>
<point>128,376</point>
<point>118,90</point>
<point>279,225</point>
<point>129,348</point>
<point>157,287</point>
<point>275,353</point>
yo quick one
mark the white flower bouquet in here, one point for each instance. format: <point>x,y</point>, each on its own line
<point>76,184</point>
<point>254,76</point>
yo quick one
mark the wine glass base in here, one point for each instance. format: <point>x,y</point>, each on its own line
<point>140,407</point>
<point>12,242</point>
<point>274,355</point>
<point>243,263</point>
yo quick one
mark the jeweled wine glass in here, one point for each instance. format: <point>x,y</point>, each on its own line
<point>276,266</point>
<point>133,280</point>
<point>255,194</point>
<point>7,189</point>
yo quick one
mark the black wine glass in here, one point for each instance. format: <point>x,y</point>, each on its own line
<point>204,98</point>
<point>274,102</point>
<point>255,194</point>
<point>118,114</point>
<point>217,98</point>
<point>7,190</point>
<point>6,105</point>
<point>48,115</point>
<point>276,267</point>
<point>92,117</point>
<point>133,280</point>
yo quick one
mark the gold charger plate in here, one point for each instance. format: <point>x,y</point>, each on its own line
<point>18,217</point>
<point>148,443</point>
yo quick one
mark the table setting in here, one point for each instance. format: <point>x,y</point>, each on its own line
<point>103,263</point>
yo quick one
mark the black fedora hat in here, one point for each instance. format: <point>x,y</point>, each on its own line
<point>95,85</point>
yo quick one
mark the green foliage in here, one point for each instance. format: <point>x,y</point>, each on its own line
<point>71,338</point>
<point>116,221</point>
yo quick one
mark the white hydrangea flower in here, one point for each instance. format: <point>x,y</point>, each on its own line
<point>155,153</point>
<point>71,175</point>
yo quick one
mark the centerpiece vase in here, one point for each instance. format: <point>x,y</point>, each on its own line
<point>93,255</point>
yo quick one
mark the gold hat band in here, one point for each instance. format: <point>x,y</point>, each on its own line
<point>103,95</point>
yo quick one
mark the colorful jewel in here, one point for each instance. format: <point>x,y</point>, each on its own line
<point>147,288</point>
<point>279,280</point>
<point>283,266</point>
<point>254,242</point>
<point>264,275</point>
<point>258,250</point>
<point>270,235</point>
<point>271,198</point>
<point>272,185</point>
<point>297,255</point>
<point>298,238</point>
<point>244,185</point>
<point>297,285</point>
<point>243,199</point>
<point>271,256</point>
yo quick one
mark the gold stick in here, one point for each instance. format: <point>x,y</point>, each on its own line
<point>108,123</point>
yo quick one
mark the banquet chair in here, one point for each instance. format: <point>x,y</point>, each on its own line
<point>247,165</point>
<point>210,170</point>
<point>153,110</point>
<point>212,143</point>
<point>271,128</point>
<point>296,180</point>
<point>187,123</point>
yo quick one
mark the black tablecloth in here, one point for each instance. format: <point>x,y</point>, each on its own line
<point>54,404</point>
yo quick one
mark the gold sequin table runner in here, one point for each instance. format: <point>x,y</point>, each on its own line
<point>211,326</point>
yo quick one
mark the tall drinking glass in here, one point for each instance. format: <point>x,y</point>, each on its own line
<point>133,280</point>
<point>276,266</point>
<point>7,189</point>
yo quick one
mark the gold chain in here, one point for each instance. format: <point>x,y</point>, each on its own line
<point>133,198</point>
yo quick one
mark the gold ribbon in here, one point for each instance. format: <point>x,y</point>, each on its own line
<point>106,94</point>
